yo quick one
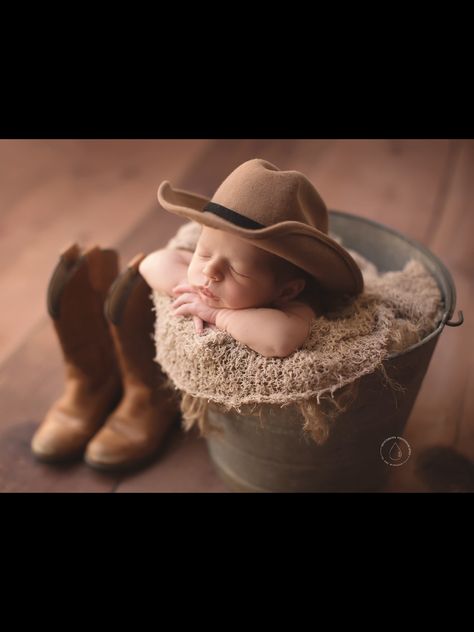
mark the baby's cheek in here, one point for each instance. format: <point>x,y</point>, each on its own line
<point>191,274</point>
<point>238,296</point>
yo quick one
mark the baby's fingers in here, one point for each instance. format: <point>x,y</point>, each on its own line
<point>198,324</point>
<point>184,310</point>
<point>181,287</point>
<point>184,298</point>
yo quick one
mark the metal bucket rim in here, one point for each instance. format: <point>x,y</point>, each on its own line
<point>450,301</point>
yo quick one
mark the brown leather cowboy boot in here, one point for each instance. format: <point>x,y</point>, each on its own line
<point>76,294</point>
<point>136,429</point>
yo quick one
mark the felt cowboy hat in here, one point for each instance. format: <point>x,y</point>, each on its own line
<point>278,211</point>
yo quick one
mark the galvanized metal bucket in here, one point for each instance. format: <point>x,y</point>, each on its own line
<point>273,454</point>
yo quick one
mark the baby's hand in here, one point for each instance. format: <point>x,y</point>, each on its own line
<point>190,303</point>
<point>185,287</point>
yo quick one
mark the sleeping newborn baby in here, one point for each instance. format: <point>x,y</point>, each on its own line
<point>262,263</point>
<point>229,284</point>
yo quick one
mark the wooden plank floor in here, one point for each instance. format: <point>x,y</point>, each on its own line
<point>104,192</point>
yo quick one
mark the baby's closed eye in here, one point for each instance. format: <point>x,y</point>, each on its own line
<point>202,256</point>
<point>239,273</point>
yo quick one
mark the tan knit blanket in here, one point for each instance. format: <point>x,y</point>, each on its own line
<point>396,309</point>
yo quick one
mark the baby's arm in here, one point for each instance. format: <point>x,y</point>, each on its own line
<point>165,268</point>
<point>270,332</point>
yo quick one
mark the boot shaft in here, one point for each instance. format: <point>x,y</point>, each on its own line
<point>76,294</point>
<point>129,310</point>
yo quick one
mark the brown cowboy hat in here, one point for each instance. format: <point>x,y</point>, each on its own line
<point>278,211</point>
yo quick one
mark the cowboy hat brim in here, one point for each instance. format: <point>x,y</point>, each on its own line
<point>301,244</point>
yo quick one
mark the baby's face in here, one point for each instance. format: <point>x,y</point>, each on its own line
<point>238,274</point>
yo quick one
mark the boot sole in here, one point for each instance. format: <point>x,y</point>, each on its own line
<point>123,467</point>
<point>142,461</point>
<point>54,459</point>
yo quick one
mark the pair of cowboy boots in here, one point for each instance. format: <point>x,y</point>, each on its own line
<point>116,408</point>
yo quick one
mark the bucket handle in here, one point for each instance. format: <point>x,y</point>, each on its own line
<point>456,323</point>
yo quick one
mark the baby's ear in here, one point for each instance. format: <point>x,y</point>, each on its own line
<point>292,289</point>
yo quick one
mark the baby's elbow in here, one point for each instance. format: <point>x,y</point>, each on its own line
<point>290,339</point>
<point>267,351</point>
<point>143,269</point>
<point>284,352</point>
<point>278,352</point>
<point>150,270</point>
<point>147,272</point>
<point>289,346</point>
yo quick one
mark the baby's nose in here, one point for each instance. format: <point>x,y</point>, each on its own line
<point>211,273</point>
